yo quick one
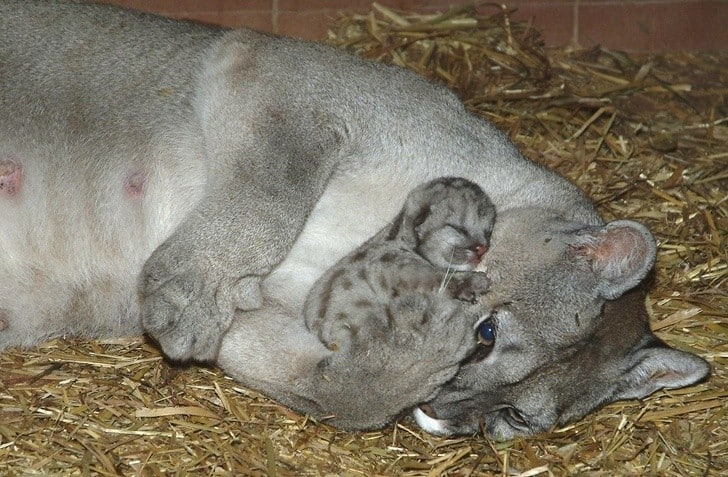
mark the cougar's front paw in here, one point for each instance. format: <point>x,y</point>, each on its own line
<point>182,309</point>
<point>468,286</point>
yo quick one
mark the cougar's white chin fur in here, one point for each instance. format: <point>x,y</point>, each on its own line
<point>429,424</point>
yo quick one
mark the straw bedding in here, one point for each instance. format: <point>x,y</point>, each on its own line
<point>645,137</point>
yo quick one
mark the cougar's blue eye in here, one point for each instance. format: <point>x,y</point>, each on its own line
<point>486,333</point>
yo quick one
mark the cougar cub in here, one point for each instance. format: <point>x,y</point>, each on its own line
<point>431,248</point>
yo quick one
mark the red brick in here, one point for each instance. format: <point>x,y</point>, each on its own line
<point>654,27</point>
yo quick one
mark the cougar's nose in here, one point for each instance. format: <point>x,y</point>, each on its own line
<point>427,409</point>
<point>426,419</point>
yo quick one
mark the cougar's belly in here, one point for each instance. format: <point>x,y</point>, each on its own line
<point>75,234</point>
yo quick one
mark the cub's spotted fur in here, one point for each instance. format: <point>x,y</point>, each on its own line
<point>432,247</point>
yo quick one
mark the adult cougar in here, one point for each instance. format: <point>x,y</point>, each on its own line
<point>230,169</point>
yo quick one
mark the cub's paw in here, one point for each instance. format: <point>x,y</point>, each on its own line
<point>468,286</point>
<point>187,307</point>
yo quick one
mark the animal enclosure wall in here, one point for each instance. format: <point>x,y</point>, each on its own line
<point>635,26</point>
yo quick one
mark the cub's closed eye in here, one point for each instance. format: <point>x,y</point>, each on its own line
<point>458,229</point>
<point>486,333</point>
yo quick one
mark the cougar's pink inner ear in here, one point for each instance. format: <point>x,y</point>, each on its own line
<point>660,367</point>
<point>615,250</point>
<point>620,253</point>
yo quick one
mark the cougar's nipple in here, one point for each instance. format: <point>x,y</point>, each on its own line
<point>135,185</point>
<point>11,175</point>
<point>3,319</point>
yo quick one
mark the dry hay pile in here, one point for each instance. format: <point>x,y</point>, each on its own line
<point>646,138</point>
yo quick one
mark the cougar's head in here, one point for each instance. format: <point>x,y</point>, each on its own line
<point>568,334</point>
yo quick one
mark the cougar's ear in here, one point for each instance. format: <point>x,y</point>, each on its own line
<point>620,253</point>
<point>660,367</point>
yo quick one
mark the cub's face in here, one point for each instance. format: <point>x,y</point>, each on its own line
<point>562,339</point>
<point>452,220</point>
<point>456,243</point>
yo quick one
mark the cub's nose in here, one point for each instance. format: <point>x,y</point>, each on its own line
<point>480,249</point>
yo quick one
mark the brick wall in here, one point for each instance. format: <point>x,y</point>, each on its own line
<point>637,25</point>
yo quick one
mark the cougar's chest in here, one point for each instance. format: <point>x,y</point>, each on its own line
<point>351,210</point>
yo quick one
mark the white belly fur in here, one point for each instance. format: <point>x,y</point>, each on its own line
<point>351,210</point>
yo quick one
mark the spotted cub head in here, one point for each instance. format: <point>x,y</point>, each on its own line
<point>449,222</point>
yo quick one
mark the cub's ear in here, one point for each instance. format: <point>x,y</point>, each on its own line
<point>417,208</point>
<point>620,253</point>
<point>657,368</point>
